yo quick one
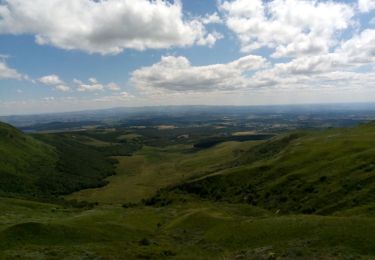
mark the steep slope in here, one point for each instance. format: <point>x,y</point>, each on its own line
<point>33,168</point>
<point>22,159</point>
<point>323,172</point>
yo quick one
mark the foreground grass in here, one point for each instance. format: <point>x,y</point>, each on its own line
<point>193,230</point>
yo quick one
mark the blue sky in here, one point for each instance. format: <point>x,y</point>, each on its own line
<point>65,55</point>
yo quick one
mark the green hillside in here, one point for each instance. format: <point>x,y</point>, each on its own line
<point>326,172</point>
<point>34,168</point>
<point>22,160</point>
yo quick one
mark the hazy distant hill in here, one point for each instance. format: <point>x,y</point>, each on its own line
<point>357,111</point>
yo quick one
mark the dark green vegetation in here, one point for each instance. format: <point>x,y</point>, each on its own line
<point>209,142</point>
<point>79,166</point>
<point>306,194</point>
<point>58,165</point>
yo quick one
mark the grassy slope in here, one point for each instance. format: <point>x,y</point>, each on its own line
<point>80,166</point>
<point>51,166</point>
<point>150,169</point>
<point>322,172</point>
<point>22,159</point>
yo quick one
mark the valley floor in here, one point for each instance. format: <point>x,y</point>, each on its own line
<point>141,175</point>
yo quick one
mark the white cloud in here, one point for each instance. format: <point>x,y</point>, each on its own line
<point>8,73</point>
<point>106,27</point>
<point>77,81</point>
<point>50,80</point>
<point>289,27</point>
<point>210,39</point>
<point>94,85</point>
<point>340,68</point>
<point>335,69</point>
<point>360,49</point>
<point>366,5</point>
<point>212,19</point>
<point>177,74</point>
<point>123,96</point>
<point>90,87</point>
<point>54,81</point>
<point>62,88</point>
<point>113,87</point>
<point>93,80</point>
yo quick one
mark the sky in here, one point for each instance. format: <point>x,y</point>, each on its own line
<point>69,55</point>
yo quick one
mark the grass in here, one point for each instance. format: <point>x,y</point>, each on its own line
<point>319,172</point>
<point>48,165</point>
<point>150,169</point>
<point>22,158</point>
<point>196,229</point>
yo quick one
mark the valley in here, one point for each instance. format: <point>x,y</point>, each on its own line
<point>148,193</point>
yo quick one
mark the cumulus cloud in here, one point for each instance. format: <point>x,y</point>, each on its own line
<point>8,73</point>
<point>177,74</point>
<point>366,5</point>
<point>94,85</point>
<point>54,80</point>
<point>287,77</point>
<point>50,80</point>
<point>249,73</point>
<point>106,27</point>
<point>354,52</point>
<point>290,27</point>
<point>63,88</point>
<point>360,49</point>
<point>212,19</point>
<point>336,68</point>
